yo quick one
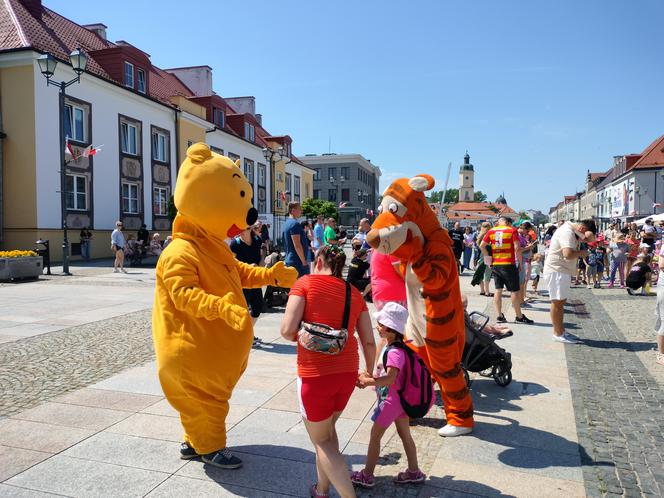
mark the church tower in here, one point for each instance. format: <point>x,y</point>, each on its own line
<point>466,180</point>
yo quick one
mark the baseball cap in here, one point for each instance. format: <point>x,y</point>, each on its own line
<point>393,316</point>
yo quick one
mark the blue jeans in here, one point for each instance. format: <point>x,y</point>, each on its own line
<point>467,254</point>
<point>85,250</point>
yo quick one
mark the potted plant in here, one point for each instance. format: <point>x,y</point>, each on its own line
<point>16,265</point>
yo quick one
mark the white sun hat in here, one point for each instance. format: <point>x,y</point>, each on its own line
<point>393,316</point>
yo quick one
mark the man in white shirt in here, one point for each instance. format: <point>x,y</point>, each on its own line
<point>560,265</point>
<point>361,235</point>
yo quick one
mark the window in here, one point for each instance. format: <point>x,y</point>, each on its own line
<point>306,190</point>
<point>296,188</point>
<point>345,173</point>
<point>331,173</point>
<point>76,192</point>
<point>289,187</point>
<point>316,193</point>
<point>345,195</point>
<point>316,174</point>
<point>280,176</point>
<point>261,206</point>
<point>218,117</point>
<point>74,119</point>
<point>287,149</point>
<point>128,138</point>
<point>190,143</point>
<point>159,147</point>
<point>332,195</point>
<point>160,201</point>
<point>261,175</point>
<point>129,198</point>
<point>233,157</point>
<point>217,150</point>
<point>141,80</point>
<point>249,170</point>
<point>129,75</point>
<point>249,131</point>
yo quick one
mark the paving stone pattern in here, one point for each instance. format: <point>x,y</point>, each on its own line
<point>36,369</point>
<point>618,405</point>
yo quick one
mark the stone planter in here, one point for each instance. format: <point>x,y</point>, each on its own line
<point>21,268</point>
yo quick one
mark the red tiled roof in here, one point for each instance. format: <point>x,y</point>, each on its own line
<point>653,156</point>
<point>595,176</point>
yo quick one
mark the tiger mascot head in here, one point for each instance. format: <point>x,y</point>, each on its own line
<point>405,219</point>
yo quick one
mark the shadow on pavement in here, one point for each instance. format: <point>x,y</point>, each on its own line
<point>490,397</point>
<point>473,488</point>
<point>626,345</point>
<point>271,347</point>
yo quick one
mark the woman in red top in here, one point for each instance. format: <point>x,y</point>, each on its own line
<point>325,382</point>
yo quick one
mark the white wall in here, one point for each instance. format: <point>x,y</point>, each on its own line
<point>107,101</point>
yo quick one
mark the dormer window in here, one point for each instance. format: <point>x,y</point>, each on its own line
<point>129,75</point>
<point>218,117</point>
<point>141,80</point>
<point>249,131</point>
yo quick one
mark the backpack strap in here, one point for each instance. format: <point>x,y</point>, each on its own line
<point>344,323</point>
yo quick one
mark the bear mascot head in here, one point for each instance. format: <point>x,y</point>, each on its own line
<point>213,193</point>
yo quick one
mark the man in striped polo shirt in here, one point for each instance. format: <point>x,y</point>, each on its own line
<point>503,241</point>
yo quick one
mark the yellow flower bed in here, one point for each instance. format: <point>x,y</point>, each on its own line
<point>17,254</point>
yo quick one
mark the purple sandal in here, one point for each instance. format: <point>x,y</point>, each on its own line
<point>313,492</point>
<point>410,477</point>
<point>362,479</point>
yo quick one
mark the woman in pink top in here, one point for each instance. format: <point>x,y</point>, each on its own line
<point>387,283</point>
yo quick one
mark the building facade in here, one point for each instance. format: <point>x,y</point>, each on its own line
<point>349,181</point>
<point>466,180</point>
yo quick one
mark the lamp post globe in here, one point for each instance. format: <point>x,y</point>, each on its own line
<point>79,60</point>
<point>47,64</point>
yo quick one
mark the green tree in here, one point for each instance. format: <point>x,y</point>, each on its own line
<point>435,196</point>
<point>523,215</point>
<point>311,208</point>
<point>493,208</point>
<point>480,196</point>
<point>451,195</point>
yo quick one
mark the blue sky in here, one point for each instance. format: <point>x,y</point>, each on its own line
<point>538,92</point>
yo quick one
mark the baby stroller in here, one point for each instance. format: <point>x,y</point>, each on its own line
<point>481,354</point>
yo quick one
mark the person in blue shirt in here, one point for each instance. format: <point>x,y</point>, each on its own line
<point>319,232</point>
<point>295,240</point>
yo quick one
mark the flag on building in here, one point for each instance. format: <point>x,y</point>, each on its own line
<point>343,204</point>
<point>91,151</point>
<point>283,196</point>
<point>656,205</point>
<point>69,149</point>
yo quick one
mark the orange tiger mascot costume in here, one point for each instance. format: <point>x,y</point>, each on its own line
<point>408,229</point>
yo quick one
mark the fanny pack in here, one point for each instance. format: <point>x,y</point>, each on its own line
<point>322,338</point>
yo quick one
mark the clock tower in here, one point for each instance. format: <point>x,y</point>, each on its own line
<point>466,181</point>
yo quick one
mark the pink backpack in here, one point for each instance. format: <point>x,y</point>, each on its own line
<point>416,394</point>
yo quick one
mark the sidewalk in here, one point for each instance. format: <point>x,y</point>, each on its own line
<point>119,437</point>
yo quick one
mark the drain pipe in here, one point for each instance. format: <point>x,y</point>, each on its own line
<point>3,135</point>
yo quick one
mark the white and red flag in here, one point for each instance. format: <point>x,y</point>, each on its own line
<point>656,205</point>
<point>90,151</point>
<point>343,204</point>
<point>69,149</point>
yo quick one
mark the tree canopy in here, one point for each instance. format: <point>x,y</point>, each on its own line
<point>311,208</point>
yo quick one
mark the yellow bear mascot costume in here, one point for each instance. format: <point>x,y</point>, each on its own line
<point>201,326</point>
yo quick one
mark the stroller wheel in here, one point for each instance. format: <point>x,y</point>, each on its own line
<point>466,377</point>
<point>502,375</point>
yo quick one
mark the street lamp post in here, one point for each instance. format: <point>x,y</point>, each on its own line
<point>47,64</point>
<point>273,156</point>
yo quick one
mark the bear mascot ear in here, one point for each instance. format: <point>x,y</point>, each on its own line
<point>237,163</point>
<point>199,153</point>
<point>421,183</point>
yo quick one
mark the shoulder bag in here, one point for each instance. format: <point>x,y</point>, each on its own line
<point>322,338</point>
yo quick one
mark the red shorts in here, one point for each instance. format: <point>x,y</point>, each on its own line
<point>320,397</point>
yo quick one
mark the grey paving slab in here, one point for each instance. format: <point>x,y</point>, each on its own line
<point>268,420</point>
<point>15,460</point>
<point>178,486</point>
<point>150,426</point>
<point>139,380</point>
<point>105,398</point>
<point>275,474</point>
<point>40,437</point>
<point>83,417</point>
<point>75,477</point>
<point>129,451</point>
<point>7,491</point>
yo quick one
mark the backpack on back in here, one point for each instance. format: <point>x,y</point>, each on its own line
<point>416,394</point>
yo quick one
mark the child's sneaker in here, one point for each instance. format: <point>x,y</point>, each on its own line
<point>410,477</point>
<point>362,479</point>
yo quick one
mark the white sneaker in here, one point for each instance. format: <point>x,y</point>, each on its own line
<point>124,271</point>
<point>565,339</point>
<point>115,270</point>
<point>454,430</point>
<point>589,286</point>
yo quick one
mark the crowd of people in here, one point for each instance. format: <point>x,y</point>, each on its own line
<point>132,247</point>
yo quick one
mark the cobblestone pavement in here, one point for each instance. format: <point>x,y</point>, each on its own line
<point>618,403</point>
<point>36,369</point>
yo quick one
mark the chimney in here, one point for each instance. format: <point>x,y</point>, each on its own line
<point>259,118</point>
<point>34,7</point>
<point>197,78</point>
<point>99,29</point>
